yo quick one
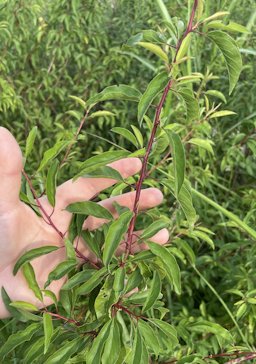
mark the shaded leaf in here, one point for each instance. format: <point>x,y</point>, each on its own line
<point>65,351</point>
<point>78,278</point>
<point>139,137</point>
<point>60,271</point>
<point>92,282</point>
<point>191,103</point>
<point>171,267</point>
<point>18,338</point>
<point>94,354</point>
<point>113,344</point>
<point>154,291</point>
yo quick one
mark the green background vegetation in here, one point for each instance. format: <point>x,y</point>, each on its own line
<point>53,49</point>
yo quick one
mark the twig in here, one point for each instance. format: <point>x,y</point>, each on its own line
<point>143,173</point>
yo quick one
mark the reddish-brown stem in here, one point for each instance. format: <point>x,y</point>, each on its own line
<point>77,323</point>
<point>47,218</point>
<point>143,173</point>
<point>126,310</point>
<point>45,214</point>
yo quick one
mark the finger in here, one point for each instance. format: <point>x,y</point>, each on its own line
<point>149,198</point>
<point>85,188</point>
<point>10,167</point>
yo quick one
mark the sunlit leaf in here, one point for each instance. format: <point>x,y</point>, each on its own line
<point>48,330</point>
<point>115,234</point>
<point>156,85</point>
<point>154,49</point>
<point>231,53</point>
<point>30,141</point>
<point>89,208</point>
<point>32,254</point>
<point>120,92</point>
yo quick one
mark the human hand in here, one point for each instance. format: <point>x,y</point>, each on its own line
<point>21,229</point>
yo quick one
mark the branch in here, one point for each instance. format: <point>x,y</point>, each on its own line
<point>143,173</point>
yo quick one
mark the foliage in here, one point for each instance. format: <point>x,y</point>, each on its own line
<point>194,298</point>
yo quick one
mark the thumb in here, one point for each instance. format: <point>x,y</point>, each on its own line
<point>10,170</point>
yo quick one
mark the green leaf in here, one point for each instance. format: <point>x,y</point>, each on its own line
<point>30,141</point>
<point>118,285</point>
<point>231,53</point>
<point>203,143</point>
<point>138,135</point>
<point>182,52</point>
<point>231,26</point>
<point>94,355</point>
<point>48,330</point>
<point>171,267</point>
<point>51,182</point>
<point>156,85</point>
<point>18,338</point>
<point>91,242</point>
<point>153,228</point>
<point>137,349</point>
<point>99,113</point>
<point>120,92</point>
<point>191,103</point>
<point>113,344</point>
<point>51,153</point>
<point>168,330</point>
<point>219,114</point>
<point>78,100</point>
<point>100,160</point>
<point>149,336</point>
<point>60,271</point>
<point>134,280</point>
<point>76,114</point>
<point>78,278</point>
<point>203,236</point>
<point>32,254</point>
<point>29,274</point>
<point>219,14</point>
<point>105,172</point>
<point>154,49</point>
<point>89,208</point>
<point>65,351</point>
<point>179,161</point>
<point>115,234</point>
<point>126,134</point>
<point>184,199</point>
<point>217,94</point>
<point>92,282</point>
<point>24,305</point>
<point>154,291</point>
<point>210,327</point>
<point>51,295</point>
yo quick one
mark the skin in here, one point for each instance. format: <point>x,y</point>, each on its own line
<point>21,229</point>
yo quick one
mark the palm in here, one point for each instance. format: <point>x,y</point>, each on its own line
<point>21,229</point>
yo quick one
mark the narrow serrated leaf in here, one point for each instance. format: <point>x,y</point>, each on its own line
<point>231,53</point>
<point>32,254</point>
<point>115,235</point>
<point>48,330</point>
<point>171,267</point>
<point>89,208</point>
<point>156,85</point>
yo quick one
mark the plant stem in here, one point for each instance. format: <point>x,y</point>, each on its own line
<point>143,173</point>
